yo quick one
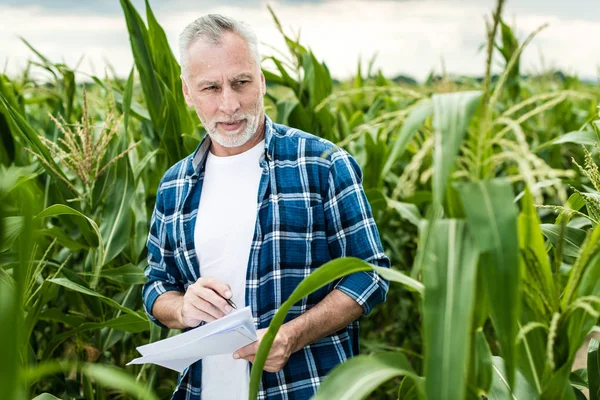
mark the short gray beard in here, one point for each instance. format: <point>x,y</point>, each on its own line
<point>238,139</point>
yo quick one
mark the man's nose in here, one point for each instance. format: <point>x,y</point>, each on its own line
<point>229,103</point>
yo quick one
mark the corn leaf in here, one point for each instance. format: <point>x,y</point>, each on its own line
<point>573,238</point>
<point>492,219</point>
<point>409,128</point>
<point>359,376</point>
<point>325,274</point>
<point>501,389</point>
<point>451,116</point>
<point>449,278</point>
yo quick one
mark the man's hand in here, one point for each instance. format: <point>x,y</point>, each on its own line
<point>204,301</point>
<point>280,352</point>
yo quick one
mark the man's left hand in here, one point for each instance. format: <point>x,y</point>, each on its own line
<point>279,354</point>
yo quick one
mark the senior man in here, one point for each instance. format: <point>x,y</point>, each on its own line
<point>246,217</point>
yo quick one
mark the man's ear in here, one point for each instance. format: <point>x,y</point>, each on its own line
<point>263,83</point>
<point>186,91</point>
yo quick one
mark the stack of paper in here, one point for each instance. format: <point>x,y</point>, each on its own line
<point>223,336</point>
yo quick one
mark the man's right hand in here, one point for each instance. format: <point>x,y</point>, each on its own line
<point>205,301</point>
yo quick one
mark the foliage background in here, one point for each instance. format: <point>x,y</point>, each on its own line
<point>80,164</point>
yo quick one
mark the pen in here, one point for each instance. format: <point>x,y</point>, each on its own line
<point>231,303</point>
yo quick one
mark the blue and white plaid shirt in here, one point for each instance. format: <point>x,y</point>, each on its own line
<point>311,209</point>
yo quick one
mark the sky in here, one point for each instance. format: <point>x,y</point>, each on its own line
<point>411,37</point>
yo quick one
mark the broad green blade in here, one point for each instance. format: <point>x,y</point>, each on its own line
<point>117,215</point>
<point>492,218</point>
<point>482,371</point>
<point>410,127</point>
<point>127,274</point>
<point>580,137</point>
<point>531,243</point>
<point>30,137</point>
<point>142,55</point>
<point>575,202</point>
<point>500,389</point>
<point>9,351</point>
<point>449,276</point>
<point>325,274</point>
<point>408,211</point>
<point>451,116</point>
<point>87,226</point>
<point>573,238</point>
<point>593,369</point>
<point>359,376</point>
<point>112,377</point>
<point>558,386</point>
<point>125,323</point>
<point>394,275</point>
<point>584,277</point>
<point>83,290</point>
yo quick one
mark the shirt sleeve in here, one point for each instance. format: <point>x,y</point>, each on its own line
<point>162,272</point>
<point>351,231</point>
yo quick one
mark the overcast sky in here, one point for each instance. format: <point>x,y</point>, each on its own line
<point>411,37</point>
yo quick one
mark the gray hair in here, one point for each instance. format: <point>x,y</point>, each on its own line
<point>211,28</point>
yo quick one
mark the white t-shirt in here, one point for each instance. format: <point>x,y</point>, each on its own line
<point>222,238</point>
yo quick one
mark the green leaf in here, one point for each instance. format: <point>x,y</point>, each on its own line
<point>109,376</point>
<point>481,368</point>
<point>127,274</point>
<point>140,231</point>
<point>579,137</point>
<point>11,228</point>
<point>89,292</point>
<point>361,375</point>
<point>88,227</point>
<point>573,238</point>
<point>449,279</point>
<point>62,238</point>
<point>394,275</point>
<point>410,387</point>
<point>54,314</point>
<point>9,351</point>
<point>116,214</point>
<point>579,377</point>
<point>30,136</point>
<point>408,211</point>
<point>411,125</point>
<point>531,242</point>
<point>593,369</point>
<point>46,396</point>
<point>492,219</point>
<point>451,116</point>
<point>284,109</point>
<point>584,278</point>
<point>325,274</point>
<point>558,386</point>
<point>125,323</point>
<point>127,96</point>
<point>500,389</point>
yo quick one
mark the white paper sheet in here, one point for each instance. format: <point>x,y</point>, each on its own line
<point>223,336</point>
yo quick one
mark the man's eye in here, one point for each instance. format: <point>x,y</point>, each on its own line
<point>210,88</point>
<point>241,83</point>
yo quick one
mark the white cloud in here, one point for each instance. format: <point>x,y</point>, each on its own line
<point>410,37</point>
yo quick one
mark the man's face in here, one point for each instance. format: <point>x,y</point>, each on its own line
<point>226,87</point>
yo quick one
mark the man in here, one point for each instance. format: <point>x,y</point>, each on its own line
<point>252,212</point>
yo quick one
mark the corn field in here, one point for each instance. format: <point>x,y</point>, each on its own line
<point>486,193</point>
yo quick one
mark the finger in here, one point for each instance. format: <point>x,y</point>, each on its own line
<point>246,351</point>
<point>193,313</point>
<point>212,297</point>
<point>206,307</point>
<point>222,289</point>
